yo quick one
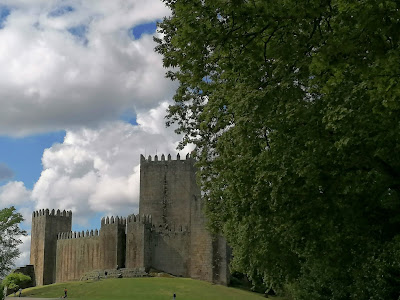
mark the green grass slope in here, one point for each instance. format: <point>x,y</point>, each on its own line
<point>142,288</point>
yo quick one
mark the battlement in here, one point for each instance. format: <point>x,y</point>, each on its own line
<point>145,219</point>
<point>162,158</point>
<point>112,220</point>
<point>77,234</point>
<point>47,212</point>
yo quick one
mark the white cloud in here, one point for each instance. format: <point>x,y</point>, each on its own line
<point>97,170</point>
<point>94,171</point>
<point>51,79</point>
<point>13,193</point>
<point>74,65</point>
<point>24,248</point>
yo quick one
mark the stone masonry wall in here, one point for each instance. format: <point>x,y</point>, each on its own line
<point>45,227</point>
<point>112,242</point>
<point>138,251</point>
<point>77,253</point>
<point>165,188</point>
<point>170,250</point>
<point>201,244</point>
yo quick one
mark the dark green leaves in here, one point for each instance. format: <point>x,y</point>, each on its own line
<point>294,109</point>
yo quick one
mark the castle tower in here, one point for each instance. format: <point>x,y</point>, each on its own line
<point>166,189</point>
<point>112,242</point>
<point>138,242</point>
<point>170,194</point>
<point>45,227</point>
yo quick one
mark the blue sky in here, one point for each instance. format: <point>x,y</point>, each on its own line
<point>83,94</point>
<point>24,155</point>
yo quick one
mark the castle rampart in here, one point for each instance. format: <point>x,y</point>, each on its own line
<point>169,233</point>
<point>77,252</point>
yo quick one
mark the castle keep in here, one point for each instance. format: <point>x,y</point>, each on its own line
<point>168,234</point>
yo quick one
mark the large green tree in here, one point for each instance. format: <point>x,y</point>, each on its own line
<point>10,238</point>
<point>294,110</point>
<point>14,281</point>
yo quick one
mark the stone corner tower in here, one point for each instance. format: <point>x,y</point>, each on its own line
<point>45,227</point>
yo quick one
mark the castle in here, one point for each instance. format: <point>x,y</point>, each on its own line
<point>169,234</point>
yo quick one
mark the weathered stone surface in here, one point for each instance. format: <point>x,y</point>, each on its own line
<point>77,255</point>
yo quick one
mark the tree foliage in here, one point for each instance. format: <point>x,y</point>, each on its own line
<point>10,238</point>
<point>14,281</point>
<point>294,110</point>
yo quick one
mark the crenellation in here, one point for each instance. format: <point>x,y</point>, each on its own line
<point>50,213</point>
<point>77,234</point>
<point>164,158</point>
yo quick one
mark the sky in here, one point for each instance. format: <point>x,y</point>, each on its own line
<point>82,95</point>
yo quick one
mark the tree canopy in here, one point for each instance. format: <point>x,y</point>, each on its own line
<point>14,281</point>
<point>10,238</point>
<point>294,110</point>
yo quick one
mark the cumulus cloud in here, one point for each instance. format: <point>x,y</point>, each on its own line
<point>76,66</point>
<point>24,248</point>
<point>66,64</point>
<point>97,170</point>
<point>5,172</point>
<point>13,193</point>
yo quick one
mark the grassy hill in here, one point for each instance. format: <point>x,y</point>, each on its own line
<point>142,288</point>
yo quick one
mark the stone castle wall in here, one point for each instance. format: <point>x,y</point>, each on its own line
<point>138,248</point>
<point>200,244</point>
<point>77,252</point>
<point>169,234</point>
<point>170,250</point>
